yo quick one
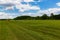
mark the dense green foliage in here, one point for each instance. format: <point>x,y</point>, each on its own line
<point>43,17</point>
<point>30,30</point>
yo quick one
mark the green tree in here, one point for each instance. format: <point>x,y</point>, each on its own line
<point>52,16</point>
<point>44,16</point>
<point>22,17</point>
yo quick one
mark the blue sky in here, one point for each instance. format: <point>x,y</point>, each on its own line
<point>14,8</point>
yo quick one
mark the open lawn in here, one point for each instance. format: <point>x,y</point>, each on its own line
<point>30,30</point>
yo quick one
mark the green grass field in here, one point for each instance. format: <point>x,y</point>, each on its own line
<point>30,30</point>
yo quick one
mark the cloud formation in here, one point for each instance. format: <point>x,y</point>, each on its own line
<point>58,4</point>
<point>10,4</point>
<point>8,8</point>
<point>5,16</point>
<point>17,3</point>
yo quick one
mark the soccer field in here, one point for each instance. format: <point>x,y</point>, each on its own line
<point>30,30</point>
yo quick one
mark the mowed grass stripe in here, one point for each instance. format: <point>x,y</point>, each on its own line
<point>30,31</point>
<point>12,35</point>
<point>48,29</point>
<point>0,30</point>
<point>21,34</point>
<point>49,32</point>
<point>6,33</point>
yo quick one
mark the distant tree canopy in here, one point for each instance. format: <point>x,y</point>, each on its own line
<point>43,17</point>
<point>22,17</point>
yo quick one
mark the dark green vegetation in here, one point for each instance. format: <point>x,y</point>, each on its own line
<point>30,30</point>
<point>43,17</point>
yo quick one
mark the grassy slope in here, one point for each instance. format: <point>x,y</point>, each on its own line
<point>30,30</point>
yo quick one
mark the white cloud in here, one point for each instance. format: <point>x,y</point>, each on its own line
<point>58,4</point>
<point>28,0</point>
<point>25,7</point>
<point>10,4</point>
<point>32,1</point>
<point>54,10</point>
<point>4,15</point>
<point>9,8</point>
<point>17,3</point>
<point>50,10</point>
<point>39,13</point>
<point>10,1</point>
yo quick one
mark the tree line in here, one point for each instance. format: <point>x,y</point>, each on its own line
<point>43,17</point>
